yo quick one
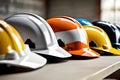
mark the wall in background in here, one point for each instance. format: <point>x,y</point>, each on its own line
<point>9,7</point>
<point>75,8</point>
<point>47,8</point>
<point>110,11</point>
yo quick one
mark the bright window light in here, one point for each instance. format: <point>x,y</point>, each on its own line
<point>110,11</point>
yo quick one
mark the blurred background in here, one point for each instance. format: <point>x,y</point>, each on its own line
<point>106,10</point>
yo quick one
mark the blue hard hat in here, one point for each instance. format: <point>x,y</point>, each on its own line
<point>84,21</point>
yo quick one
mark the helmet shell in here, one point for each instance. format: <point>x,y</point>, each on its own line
<point>73,35</point>
<point>111,30</point>
<point>101,40</point>
<point>36,32</point>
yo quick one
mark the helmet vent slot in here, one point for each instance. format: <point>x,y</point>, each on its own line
<point>61,43</point>
<point>30,43</point>
<point>93,44</point>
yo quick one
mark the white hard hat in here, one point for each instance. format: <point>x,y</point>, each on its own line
<point>36,32</point>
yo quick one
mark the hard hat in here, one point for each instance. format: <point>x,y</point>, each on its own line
<point>14,52</point>
<point>71,36</point>
<point>36,32</point>
<point>117,25</point>
<point>100,41</point>
<point>111,31</point>
<point>84,22</point>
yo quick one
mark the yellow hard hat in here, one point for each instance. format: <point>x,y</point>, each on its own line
<point>101,40</point>
<point>112,32</point>
<point>14,52</point>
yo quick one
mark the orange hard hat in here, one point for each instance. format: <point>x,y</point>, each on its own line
<point>71,36</point>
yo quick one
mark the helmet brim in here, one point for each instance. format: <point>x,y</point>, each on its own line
<point>30,60</point>
<point>54,51</point>
<point>112,51</point>
<point>85,52</point>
